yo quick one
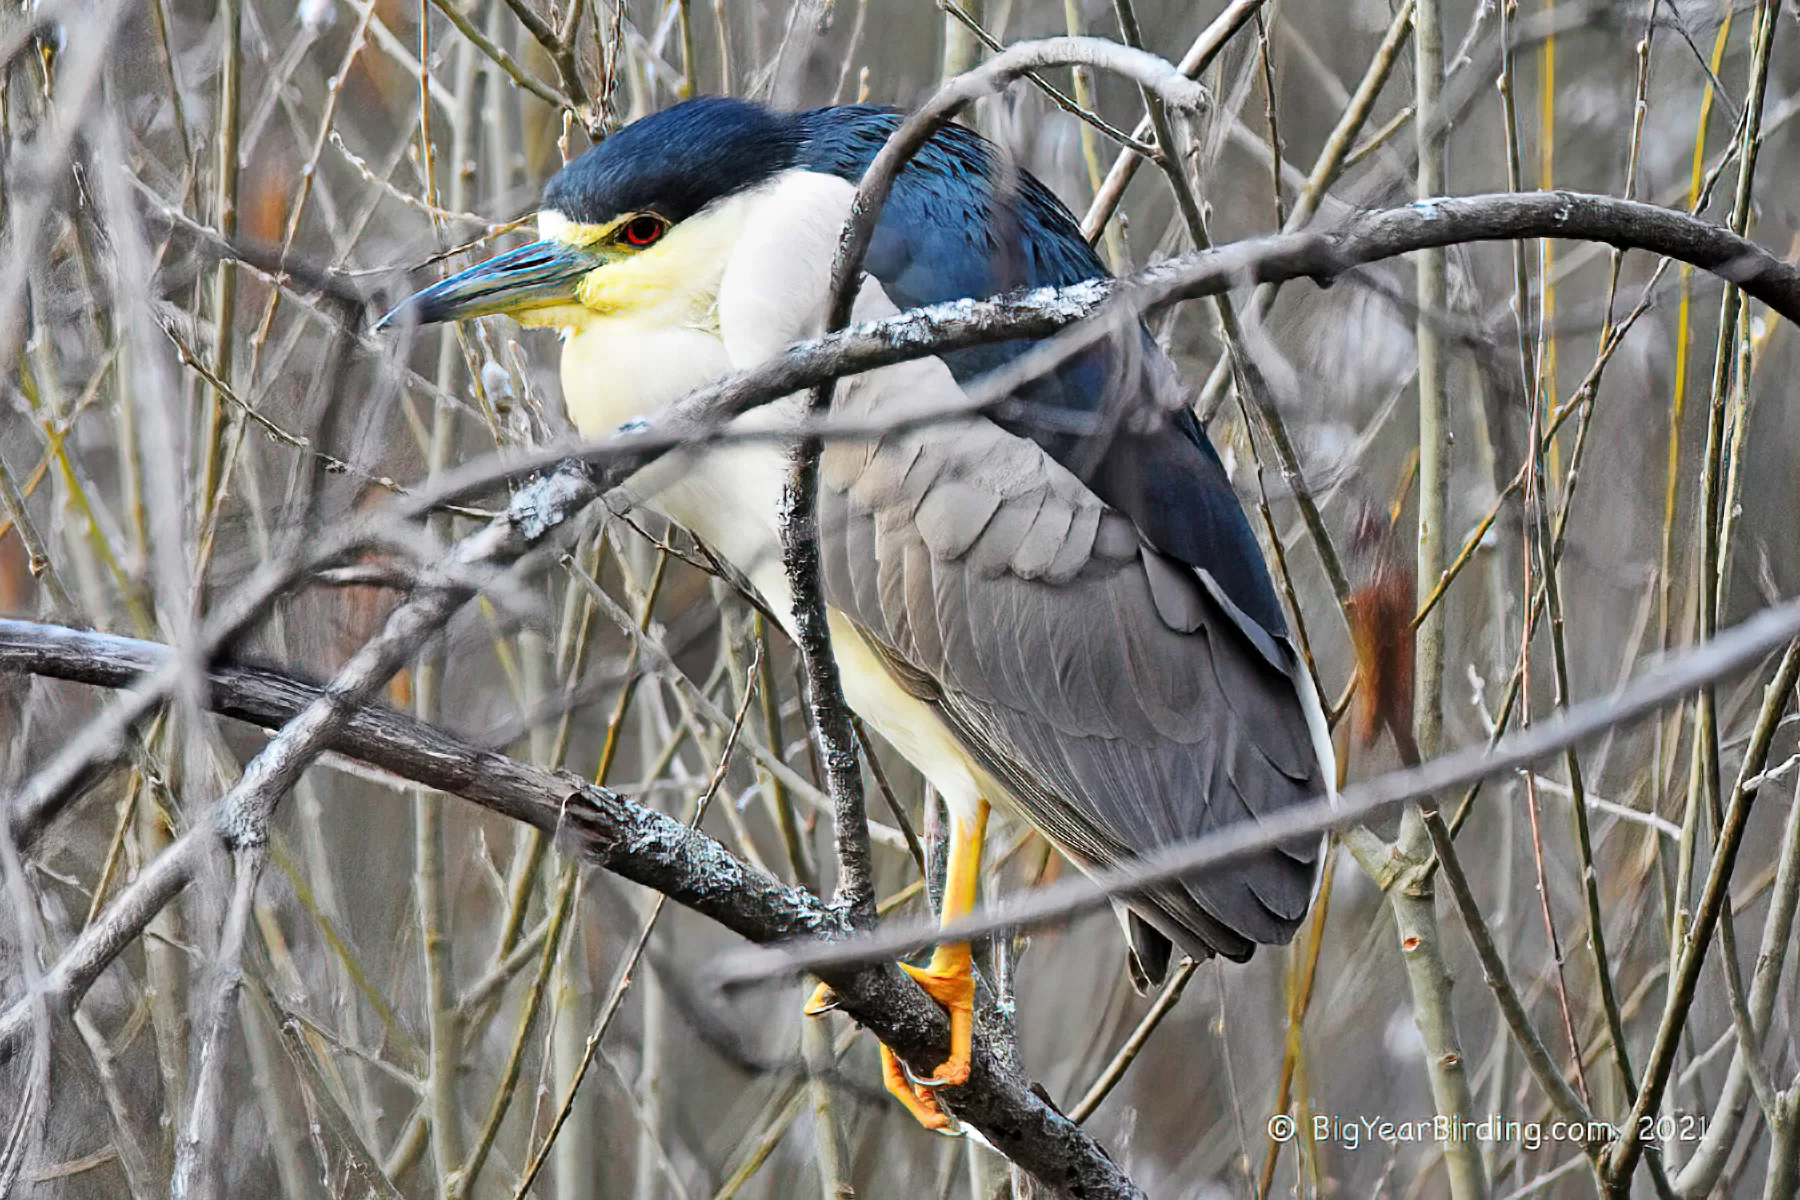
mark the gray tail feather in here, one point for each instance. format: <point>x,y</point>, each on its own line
<point>1148,954</point>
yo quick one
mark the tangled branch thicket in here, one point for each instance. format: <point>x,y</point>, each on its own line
<point>352,745</point>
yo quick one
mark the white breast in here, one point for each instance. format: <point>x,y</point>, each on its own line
<point>771,294</point>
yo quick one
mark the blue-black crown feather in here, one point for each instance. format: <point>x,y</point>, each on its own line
<point>945,235</point>
<point>677,161</point>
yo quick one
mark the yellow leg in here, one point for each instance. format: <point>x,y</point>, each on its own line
<point>949,978</point>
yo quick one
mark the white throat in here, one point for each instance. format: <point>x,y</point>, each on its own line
<point>771,292</point>
<point>757,269</point>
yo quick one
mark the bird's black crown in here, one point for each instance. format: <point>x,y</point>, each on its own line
<point>676,162</point>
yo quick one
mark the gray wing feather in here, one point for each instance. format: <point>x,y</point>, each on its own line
<point>1104,684</point>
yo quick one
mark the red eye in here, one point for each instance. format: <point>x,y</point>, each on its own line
<point>643,231</point>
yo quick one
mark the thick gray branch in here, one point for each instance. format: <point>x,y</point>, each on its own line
<point>1729,652</point>
<point>636,842</point>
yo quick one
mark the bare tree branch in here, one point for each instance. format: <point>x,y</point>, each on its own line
<point>636,842</point>
<point>659,852</point>
<point>540,510</point>
<point>1731,651</point>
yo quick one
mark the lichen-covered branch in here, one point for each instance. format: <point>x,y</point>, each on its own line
<point>1731,652</point>
<point>636,842</point>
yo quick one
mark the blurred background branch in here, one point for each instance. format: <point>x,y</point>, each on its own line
<point>1511,509</point>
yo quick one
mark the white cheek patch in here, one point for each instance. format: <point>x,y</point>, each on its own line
<point>552,225</point>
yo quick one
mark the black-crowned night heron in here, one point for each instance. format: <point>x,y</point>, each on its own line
<point>1059,608</point>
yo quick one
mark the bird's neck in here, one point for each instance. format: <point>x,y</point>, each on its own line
<point>614,371</point>
<point>729,287</point>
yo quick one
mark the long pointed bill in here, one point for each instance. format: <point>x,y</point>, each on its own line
<point>541,275</point>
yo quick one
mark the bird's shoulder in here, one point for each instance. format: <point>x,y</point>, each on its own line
<point>1121,702</point>
<point>959,224</point>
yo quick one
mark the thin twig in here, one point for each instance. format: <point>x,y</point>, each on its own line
<point>1413,898</point>
<point>1730,652</point>
<point>506,62</point>
<point>1133,1045</point>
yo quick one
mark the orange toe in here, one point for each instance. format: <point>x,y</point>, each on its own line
<point>822,1001</point>
<point>950,980</point>
<point>918,1101</point>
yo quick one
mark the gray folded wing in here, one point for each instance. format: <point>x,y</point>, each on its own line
<point>1113,694</point>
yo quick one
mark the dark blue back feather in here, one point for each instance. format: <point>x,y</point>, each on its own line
<point>942,237</point>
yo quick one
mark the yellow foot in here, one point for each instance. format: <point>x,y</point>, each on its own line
<point>950,980</point>
<point>919,1101</point>
<point>822,1001</point>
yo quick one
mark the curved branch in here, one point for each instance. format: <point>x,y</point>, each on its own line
<point>1157,76</point>
<point>701,416</point>
<point>1322,256</point>
<point>636,842</point>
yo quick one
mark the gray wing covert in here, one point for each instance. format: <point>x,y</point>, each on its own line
<point>1118,700</point>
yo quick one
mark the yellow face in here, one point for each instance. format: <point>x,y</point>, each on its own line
<point>625,248</point>
<point>636,268</point>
